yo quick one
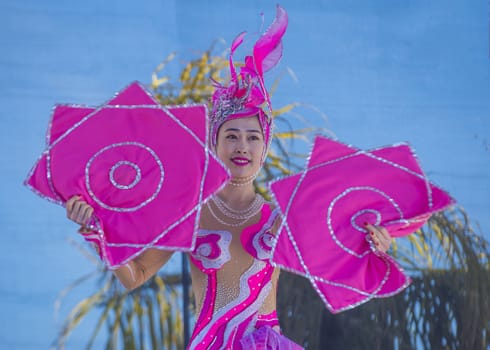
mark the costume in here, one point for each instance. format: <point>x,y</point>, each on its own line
<point>235,283</point>
<point>237,307</point>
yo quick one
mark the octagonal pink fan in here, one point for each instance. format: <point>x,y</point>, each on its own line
<point>145,168</point>
<point>324,208</point>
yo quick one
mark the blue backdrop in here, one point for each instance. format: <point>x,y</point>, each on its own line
<point>381,71</point>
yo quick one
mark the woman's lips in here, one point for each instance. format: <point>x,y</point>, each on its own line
<point>240,161</point>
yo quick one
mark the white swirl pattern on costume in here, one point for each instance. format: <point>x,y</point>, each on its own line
<point>245,292</point>
<point>204,249</point>
<point>250,310</point>
<point>263,241</point>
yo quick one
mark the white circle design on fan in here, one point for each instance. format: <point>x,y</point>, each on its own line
<point>374,213</point>
<point>123,165</point>
<point>117,166</point>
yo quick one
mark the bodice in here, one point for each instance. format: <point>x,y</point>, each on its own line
<point>234,282</point>
<point>212,248</point>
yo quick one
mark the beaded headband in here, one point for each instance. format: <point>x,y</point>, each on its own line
<point>245,95</point>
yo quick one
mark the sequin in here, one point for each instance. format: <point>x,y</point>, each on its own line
<point>236,291</point>
<point>119,165</point>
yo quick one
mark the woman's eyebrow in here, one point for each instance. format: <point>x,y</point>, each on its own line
<point>248,130</point>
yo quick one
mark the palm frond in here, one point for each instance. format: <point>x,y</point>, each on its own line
<point>445,307</point>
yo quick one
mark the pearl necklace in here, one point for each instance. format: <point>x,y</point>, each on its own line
<point>238,214</point>
<point>247,181</point>
<point>244,181</point>
<point>242,215</point>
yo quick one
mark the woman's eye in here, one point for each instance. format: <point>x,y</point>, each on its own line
<point>231,137</point>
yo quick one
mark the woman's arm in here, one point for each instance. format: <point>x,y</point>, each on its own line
<point>141,269</point>
<point>138,270</point>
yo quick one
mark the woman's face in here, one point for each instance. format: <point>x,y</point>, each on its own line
<point>240,144</point>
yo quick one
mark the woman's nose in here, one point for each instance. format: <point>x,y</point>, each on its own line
<point>241,146</point>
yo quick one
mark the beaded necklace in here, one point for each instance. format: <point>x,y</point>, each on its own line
<point>245,181</point>
<point>241,215</point>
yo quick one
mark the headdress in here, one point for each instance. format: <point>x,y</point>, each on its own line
<point>246,95</point>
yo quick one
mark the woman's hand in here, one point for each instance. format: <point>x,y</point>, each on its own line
<point>380,237</point>
<point>78,210</point>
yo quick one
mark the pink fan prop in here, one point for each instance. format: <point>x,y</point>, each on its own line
<point>322,235</point>
<point>145,168</point>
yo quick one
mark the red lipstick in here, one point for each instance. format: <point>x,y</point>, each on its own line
<point>240,161</point>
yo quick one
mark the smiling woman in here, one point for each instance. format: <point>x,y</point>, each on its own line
<point>233,279</point>
<point>240,146</point>
<point>390,70</point>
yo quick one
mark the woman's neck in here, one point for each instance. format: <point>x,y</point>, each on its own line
<point>237,197</point>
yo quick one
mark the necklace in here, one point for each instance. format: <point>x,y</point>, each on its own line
<point>238,214</point>
<point>244,181</point>
<point>241,215</point>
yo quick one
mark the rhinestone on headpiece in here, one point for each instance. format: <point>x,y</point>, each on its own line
<point>227,103</point>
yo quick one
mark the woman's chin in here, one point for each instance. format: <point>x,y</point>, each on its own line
<point>241,173</point>
<point>241,176</point>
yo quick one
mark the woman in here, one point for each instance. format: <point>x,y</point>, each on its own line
<point>233,281</point>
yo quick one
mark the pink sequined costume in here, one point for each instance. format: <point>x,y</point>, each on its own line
<point>235,288</point>
<point>233,279</point>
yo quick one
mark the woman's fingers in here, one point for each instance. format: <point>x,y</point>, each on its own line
<point>83,212</point>
<point>69,205</point>
<point>380,237</point>
<point>78,210</point>
<point>384,239</point>
<point>87,214</point>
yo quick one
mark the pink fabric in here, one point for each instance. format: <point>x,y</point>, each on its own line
<point>268,51</point>
<point>270,320</point>
<point>324,208</point>
<point>146,169</point>
<point>259,243</point>
<point>223,327</point>
<point>211,250</point>
<point>265,338</point>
